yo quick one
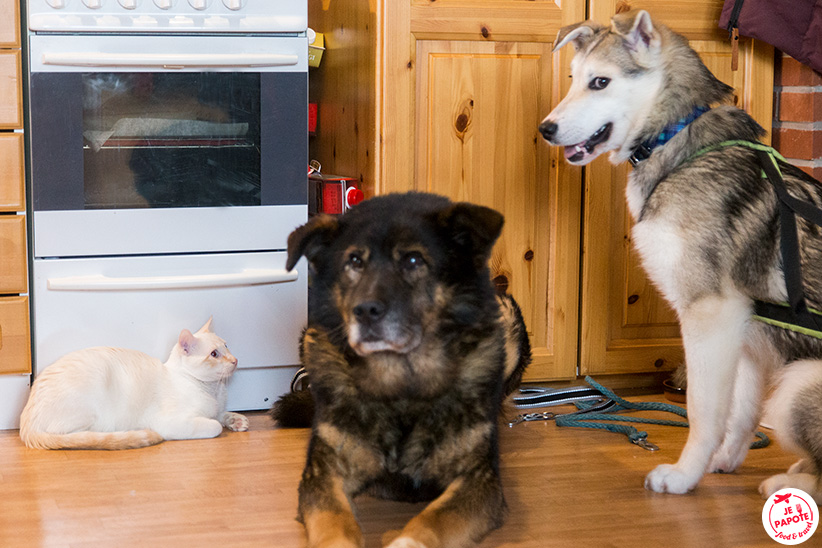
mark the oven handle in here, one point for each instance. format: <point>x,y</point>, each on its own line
<point>99,282</point>
<point>168,60</point>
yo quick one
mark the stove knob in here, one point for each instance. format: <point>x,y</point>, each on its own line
<point>163,4</point>
<point>234,4</point>
<point>56,4</point>
<point>198,4</point>
<point>128,4</point>
<point>93,4</point>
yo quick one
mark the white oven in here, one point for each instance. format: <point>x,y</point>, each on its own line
<point>168,154</point>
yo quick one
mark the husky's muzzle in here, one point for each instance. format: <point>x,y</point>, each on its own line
<point>578,152</point>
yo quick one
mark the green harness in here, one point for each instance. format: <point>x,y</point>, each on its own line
<point>794,315</point>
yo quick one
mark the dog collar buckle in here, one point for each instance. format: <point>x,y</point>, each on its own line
<point>642,152</point>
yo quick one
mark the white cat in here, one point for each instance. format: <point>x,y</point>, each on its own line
<point>115,398</point>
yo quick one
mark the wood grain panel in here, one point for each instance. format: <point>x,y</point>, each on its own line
<point>12,176</point>
<point>15,353</point>
<point>13,271</point>
<point>11,98</point>
<point>479,108</point>
<point>494,20</point>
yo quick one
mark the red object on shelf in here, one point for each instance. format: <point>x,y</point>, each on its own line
<point>312,118</point>
<point>332,194</point>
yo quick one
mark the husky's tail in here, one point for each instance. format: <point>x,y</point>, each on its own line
<point>131,439</point>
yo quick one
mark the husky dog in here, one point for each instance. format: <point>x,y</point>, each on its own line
<point>707,226</point>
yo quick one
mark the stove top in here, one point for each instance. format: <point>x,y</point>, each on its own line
<point>168,16</point>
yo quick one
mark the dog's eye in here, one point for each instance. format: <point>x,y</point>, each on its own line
<point>214,353</point>
<point>355,261</point>
<point>600,82</point>
<point>412,260</point>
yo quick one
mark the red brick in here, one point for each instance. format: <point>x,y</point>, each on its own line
<point>790,72</point>
<point>800,107</point>
<point>797,143</point>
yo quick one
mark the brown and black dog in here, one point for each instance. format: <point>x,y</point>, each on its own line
<point>409,352</point>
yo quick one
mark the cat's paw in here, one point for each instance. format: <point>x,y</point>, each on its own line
<point>668,478</point>
<point>236,422</point>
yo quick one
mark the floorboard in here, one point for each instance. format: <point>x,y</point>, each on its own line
<point>564,487</point>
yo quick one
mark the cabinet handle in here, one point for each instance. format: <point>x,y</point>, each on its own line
<point>167,60</point>
<point>99,282</point>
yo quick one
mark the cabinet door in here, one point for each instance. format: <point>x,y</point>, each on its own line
<point>466,86</point>
<point>627,327</point>
<point>13,271</point>
<point>11,101</point>
<point>11,176</point>
<point>15,353</point>
<point>9,24</point>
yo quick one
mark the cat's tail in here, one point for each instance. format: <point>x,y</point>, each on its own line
<point>131,439</point>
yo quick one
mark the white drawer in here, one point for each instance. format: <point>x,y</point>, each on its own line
<point>144,302</point>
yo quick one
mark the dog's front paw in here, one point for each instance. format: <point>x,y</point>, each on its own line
<point>406,542</point>
<point>236,422</point>
<point>773,484</point>
<point>726,461</point>
<point>668,478</point>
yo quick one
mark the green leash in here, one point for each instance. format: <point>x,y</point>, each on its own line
<point>637,437</point>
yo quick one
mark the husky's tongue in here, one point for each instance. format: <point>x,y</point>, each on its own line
<point>576,153</point>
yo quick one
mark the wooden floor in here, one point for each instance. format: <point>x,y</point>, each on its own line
<point>564,486</point>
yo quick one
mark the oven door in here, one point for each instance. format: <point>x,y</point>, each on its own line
<point>166,144</point>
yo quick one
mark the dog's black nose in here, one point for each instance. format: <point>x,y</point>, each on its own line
<point>369,312</point>
<point>548,130</point>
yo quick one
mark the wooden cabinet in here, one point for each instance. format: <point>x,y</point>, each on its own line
<point>447,96</point>
<point>15,344</point>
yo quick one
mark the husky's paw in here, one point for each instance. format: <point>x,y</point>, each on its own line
<point>773,484</point>
<point>726,461</point>
<point>802,466</point>
<point>406,542</point>
<point>236,422</point>
<point>668,478</point>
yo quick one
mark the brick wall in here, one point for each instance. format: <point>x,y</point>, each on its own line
<point>797,124</point>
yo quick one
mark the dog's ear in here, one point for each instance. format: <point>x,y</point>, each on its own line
<point>579,33</point>
<point>310,239</point>
<point>638,31</point>
<point>473,227</point>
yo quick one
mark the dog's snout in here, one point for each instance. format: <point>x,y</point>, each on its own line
<point>548,130</point>
<point>369,312</point>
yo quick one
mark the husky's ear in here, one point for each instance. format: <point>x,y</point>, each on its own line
<point>579,33</point>
<point>638,31</point>
<point>472,227</point>
<point>310,239</point>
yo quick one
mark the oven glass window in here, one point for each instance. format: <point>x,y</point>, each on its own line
<point>171,140</point>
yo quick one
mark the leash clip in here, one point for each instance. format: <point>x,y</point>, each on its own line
<point>645,444</point>
<point>528,417</point>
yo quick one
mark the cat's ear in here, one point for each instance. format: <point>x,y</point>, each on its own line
<point>186,341</point>
<point>207,327</point>
<point>310,239</point>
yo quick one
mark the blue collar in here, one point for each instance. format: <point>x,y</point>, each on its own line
<point>643,151</point>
